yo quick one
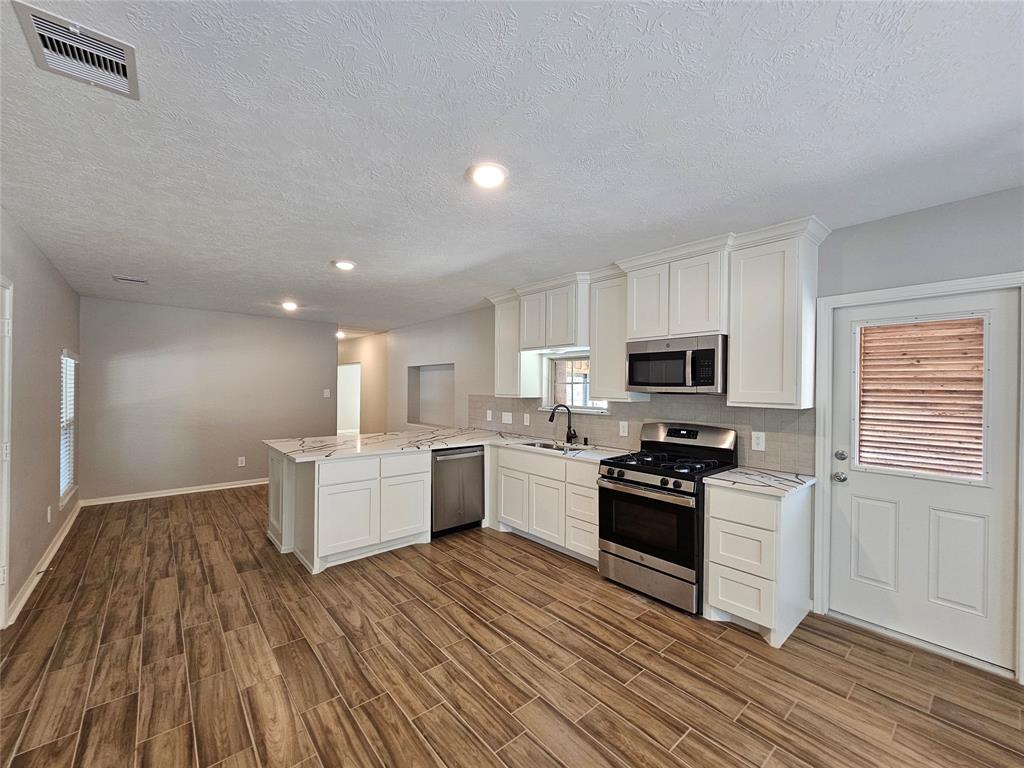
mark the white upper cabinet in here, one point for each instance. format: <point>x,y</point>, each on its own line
<point>533,321</point>
<point>608,339</point>
<point>554,313</point>
<point>682,291</point>
<point>773,287</point>
<point>516,374</point>
<point>698,295</point>
<point>561,316</point>
<point>647,302</point>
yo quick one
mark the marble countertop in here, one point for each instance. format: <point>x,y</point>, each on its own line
<point>425,438</point>
<point>768,481</point>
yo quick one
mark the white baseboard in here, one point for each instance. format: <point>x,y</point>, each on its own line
<point>15,606</point>
<point>173,491</point>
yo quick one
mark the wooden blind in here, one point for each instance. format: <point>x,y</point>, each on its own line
<point>921,391</point>
<point>68,420</point>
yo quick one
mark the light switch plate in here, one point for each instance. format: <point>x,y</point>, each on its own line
<point>327,394</point>
<point>241,461</point>
<point>526,419</point>
<point>490,415</point>
<point>506,417</point>
<point>623,429</point>
<point>757,441</point>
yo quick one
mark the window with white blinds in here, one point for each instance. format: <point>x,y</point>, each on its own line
<point>921,397</point>
<point>68,423</point>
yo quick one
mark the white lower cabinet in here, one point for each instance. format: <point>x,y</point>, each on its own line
<point>581,503</point>
<point>547,509</point>
<point>759,558</point>
<point>348,516</point>
<point>513,498</point>
<point>581,537</point>
<point>404,505</point>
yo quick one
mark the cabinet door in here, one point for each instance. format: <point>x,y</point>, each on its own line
<point>404,506</point>
<point>764,348</point>
<point>349,517</point>
<point>608,340</point>
<point>532,321</point>
<point>547,509</point>
<point>513,498</point>
<point>647,302</point>
<point>696,299</point>
<point>581,537</point>
<point>561,316</point>
<point>506,349</point>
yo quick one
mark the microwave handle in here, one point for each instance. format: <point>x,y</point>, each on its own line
<point>688,365</point>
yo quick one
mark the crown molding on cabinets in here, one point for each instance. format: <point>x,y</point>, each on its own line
<point>810,227</point>
<point>606,273</point>
<point>577,278</point>
<point>499,298</point>
<point>677,252</point>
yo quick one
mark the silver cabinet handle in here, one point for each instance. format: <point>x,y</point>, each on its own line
<point>839,477</point>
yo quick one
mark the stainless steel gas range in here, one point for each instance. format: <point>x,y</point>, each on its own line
<point>651,504</point>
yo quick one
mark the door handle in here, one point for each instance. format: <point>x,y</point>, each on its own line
<point>841,455</point>
<point>839,477</point>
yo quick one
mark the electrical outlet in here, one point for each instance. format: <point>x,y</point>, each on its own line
<point>241,461</point>
<point>757,441</point>
<point>623,429</point>
<point>327,394</point>
<point>49,514</point>
<point>490,415</point>
<point>506,417</point>
<point>526,419</point>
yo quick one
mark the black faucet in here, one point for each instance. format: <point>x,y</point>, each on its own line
<point>570,433</point>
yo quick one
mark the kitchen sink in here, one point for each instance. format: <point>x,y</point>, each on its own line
<point>547,445</point>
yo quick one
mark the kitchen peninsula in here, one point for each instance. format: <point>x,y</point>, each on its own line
<point>338,498</point>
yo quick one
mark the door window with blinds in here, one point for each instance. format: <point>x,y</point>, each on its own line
<point>921,398</point>
<point>68,424</point>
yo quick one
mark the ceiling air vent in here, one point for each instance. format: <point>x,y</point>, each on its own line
<point>61,46</point>
<point>130,280</point>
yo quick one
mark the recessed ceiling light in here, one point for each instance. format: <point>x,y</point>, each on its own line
<point>289,306</point>
<point>487,175</point>
<point>340,334</point>
<point>344,265</point>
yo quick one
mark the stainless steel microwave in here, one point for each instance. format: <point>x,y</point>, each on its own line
<point>691,365</point>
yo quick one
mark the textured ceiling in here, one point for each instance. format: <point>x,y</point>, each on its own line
<point>271,138</point>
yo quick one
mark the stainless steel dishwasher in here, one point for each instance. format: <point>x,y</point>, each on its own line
<point>457,483</point>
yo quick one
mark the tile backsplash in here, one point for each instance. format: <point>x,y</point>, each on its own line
<point>789,435</point>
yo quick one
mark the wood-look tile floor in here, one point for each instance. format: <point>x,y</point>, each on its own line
<point>170,633</point>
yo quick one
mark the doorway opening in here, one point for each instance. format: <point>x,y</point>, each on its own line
<point>6,319</point>
<point>349,375</point>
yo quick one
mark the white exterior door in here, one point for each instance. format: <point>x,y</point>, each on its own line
<point>923,528</point>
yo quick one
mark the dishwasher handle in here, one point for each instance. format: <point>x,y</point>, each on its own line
<point>457,456</point>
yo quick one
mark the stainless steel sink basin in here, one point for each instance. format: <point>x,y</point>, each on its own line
<point>548,445</point>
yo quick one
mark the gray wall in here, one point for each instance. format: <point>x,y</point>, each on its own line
<point>171,397</point>
<point>969,238</point>
<point>45,322</point>
<point>466,340</point>
<point>372,352</point>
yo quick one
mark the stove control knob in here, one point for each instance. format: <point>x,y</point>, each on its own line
<point>677,483</point>
<point>620,473</point>
<point>664,481</point>
<point>609,471</point>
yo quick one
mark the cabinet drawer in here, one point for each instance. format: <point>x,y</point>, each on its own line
<point>753,509</point>
<point>405,464</point>
<point>581,473</point>
<point>750,597</point>
<point>581,503</point>
<point>747,549</point>
<point>348,471</point>
<point>552,467</point>
<point>581,537</point>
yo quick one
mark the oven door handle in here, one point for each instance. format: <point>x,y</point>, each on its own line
<point>668,498</point>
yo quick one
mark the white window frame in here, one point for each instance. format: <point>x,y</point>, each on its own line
<point>547,397</point>
<point>72,489</point>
